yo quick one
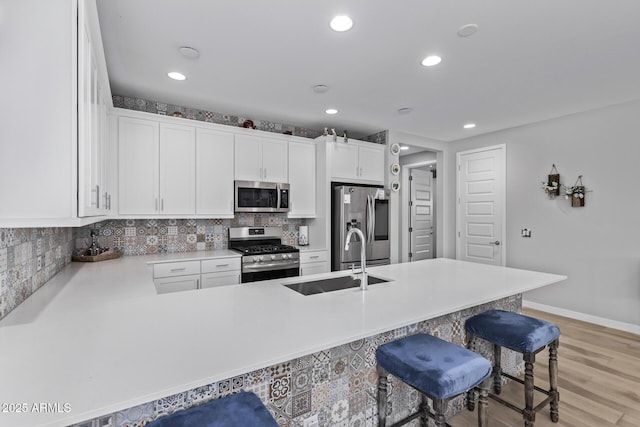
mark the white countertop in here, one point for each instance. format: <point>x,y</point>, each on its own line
<point>99,338</point>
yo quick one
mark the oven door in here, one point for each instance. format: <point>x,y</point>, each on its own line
<point>265,271</point>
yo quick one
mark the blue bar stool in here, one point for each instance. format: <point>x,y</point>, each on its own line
<point>439,370</point>
<point>238,410</point>
<point>526,335</point>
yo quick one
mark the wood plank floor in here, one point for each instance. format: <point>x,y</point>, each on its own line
<point>599,380</point>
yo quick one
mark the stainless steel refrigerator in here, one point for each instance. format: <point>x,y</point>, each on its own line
<point>366,208</point>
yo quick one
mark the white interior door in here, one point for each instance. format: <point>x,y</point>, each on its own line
<point>421,215</point>
<point>481,205</point>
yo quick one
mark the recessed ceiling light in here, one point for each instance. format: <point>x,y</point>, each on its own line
<point>341,23</point>
<point>467,30</point>
<point>321,88</point>
<point>331,111</point>
<point>176,76</point>
<point>432,60</point>
<point>469,125</point>
<point>189,52</point>
<point>404,147</point>
<point>405,110</point>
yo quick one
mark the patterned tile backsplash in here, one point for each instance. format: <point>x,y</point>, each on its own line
<point>338,385</point>
<point>151,236</point>
<point>29,257</point>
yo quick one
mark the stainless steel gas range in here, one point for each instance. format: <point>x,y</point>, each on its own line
<point>264,256</point>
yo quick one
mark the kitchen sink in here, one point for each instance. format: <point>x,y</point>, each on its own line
<point>329,285</point>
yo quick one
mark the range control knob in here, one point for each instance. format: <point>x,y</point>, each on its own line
<point>273,257</point>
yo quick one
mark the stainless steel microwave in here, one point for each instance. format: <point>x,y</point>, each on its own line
<point>257,196</point>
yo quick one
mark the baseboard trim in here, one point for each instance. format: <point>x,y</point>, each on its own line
<point>627,327</point>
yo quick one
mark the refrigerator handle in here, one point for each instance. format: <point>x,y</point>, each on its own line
<point>373,219</point>
<point>369,219</point>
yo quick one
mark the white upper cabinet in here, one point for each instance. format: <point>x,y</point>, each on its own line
<point>302,179</point>
<point>260,159</point>
<point>274,160</point>
<point>344,161</point>
<point>177,169</point>
<point>357,161</point>
<point>138,165</point>
<point>157,170</point>
<point>371,162</point>
<point>52,168</point>
<point>214,173</point>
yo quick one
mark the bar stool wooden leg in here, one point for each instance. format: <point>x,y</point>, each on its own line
<point>528,413</point>
<point>553,381</point>
<point>382,397</point>
<point>497,369</point>
<point>483,404</point>
<point>424,410</point>
<point>471,394</point>
<point>439,406</point>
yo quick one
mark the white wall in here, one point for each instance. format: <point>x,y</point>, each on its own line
<point>422,157</point>
<point>597,246</point>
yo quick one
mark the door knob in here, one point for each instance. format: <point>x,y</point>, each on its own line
<point>497,243</point>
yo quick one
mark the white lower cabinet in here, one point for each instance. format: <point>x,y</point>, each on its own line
<point>314,262</point>
<point>212,280</point>
<point>191,275</point>
<point>220,272</point>
<point>166,285</point>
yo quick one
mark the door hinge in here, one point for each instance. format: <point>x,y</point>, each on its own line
<point>410,229</point>
<point>410,255</point>
<point>411,203</point>
<point>410,177</point>
<point>458,234</point>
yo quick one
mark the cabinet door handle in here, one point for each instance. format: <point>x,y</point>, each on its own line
<point>260,172</point>
<point>98,196</point>
<point>178,269</point>
<point>198,284</point>
<point>265,173</point>
<point>222,265</point>
<point>162,204</point>
<point>314,257</point>
<point>156,204</point>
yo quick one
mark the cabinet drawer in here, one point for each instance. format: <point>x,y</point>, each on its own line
<point>220,264</point>
<point>313,256</point>
<point>170,269</point>
<point>212,280</point>
<point>177,284</point>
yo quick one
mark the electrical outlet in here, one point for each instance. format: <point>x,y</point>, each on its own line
<point>311,421</point>
<point>526,232</point>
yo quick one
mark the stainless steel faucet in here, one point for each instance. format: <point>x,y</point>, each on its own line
<point>364,279</point>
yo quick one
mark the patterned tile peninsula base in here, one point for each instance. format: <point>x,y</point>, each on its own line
<point>338,384</point>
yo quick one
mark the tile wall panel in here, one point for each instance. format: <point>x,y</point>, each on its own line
<point>208,116</point>
<point>152,236</point>
<point>29,257</point>
<point>338,384</point>
<point>164,109</point>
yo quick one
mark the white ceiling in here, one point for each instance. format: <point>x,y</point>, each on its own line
<point>529,60</point>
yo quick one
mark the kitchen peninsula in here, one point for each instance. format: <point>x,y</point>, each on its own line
<point>99,342</point>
